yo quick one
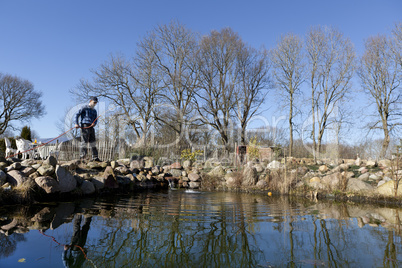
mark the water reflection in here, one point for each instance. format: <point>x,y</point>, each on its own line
<point>175,228</point>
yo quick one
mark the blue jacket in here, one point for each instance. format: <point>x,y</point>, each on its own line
<point>88,116</point>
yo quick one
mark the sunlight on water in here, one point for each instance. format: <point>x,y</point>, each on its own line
<point>199,229</point>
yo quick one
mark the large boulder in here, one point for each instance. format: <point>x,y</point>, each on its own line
<point>371,163</point>
<point>332,180</point>
<point>48,184</point>
<point>387,188</point>
<point>250,176</point>
<point>16,178</point>
<point>46,170</point>
<point>356,185</point>
<point>384,163</point>
<point>175,172</point>
<point>67,182</point>
<point>13,166</point>
<point>98,182</point>
<point>148,162</point>
<point>187,164</point>
<point>218,171</point>
<point>51,160</point>
<point>87,187</point>
<point>136,164</point>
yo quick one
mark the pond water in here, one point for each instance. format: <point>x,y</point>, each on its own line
<point>200,229</point>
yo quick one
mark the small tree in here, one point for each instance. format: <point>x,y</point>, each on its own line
<point>26,133</point>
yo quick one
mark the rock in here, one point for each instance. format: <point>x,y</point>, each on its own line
<point>110,178</point>
<point>302,170</point>
<point>262,184</point>
<point>374,177</point>
<point>137,164</point>
<point>387,188</point>
<point>184,173</point>
<point>259,168</point>
<point>194,185</point>
<point>51,160</point>
<point>66,180</point>
<point>323,169</point>
<point>28,171</point>
<point>98,182</point>
<point>122,170</point>
<point>87,187</point>
<point>315,179</point>
<point>232,182</point>
<point>358,162</point>
<point>3,165</point>
<point>156,170</point>
<point>175,172</point>
<point>176,165</point>
<point>384,163</point>
<point>148,162</point>
<point>332,180</point>
<point>194,177</point>
<point>46,170</point>
<point>3,177</point>
<point>187,164</point>
<point>16,178</point>
<point>48,184</point>
<point>371,163</point>
<point>28,162</point>
<point>274,165</point>
<point>356,185</point>
<point>363,170</point>
<point>13,166</point>
<point>218,171</point>
<point>249,176</point>
<point>364,177</point>
<point>384,180</point>
<point>71,165</point>
<point>343,167</point>
<point>36,166</point>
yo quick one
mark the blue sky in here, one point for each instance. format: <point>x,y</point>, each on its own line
<point>54,43</point>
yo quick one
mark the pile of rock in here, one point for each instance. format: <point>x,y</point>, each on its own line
<point>368,177</point>
<point>86,178</point>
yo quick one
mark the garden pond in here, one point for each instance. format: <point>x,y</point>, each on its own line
<point>178,228</point>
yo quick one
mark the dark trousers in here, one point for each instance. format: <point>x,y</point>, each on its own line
<point>88,138</point>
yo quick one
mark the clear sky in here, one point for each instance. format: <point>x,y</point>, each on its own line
<point>55,43</point>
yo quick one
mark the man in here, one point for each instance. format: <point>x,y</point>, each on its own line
<point>89,118</point>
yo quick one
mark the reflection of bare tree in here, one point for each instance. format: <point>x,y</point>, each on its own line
<point>390,252</point>
<point>9,243</point>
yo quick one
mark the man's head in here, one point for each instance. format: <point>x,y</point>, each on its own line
<point>93,101</point>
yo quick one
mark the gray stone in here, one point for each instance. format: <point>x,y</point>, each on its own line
<point>384,163</point>
<point>356,185</point>
<point>122,170</point>
<point>46,170</point>
<point>137,164</point>
<point>3,165</point>
<point>28,170</point>
<point>175,172</point>
<point>249,176</point>
<point>194,184</point>
<point>259,168</point>
<point>218,171</point>
<point>87,187</point>
<point>371,163</point>
<point>187,164</point>
<point>364,177</point>
<point>48,184</point>
<point>36,166</point>
<point>28,162</point>
<point>194,177</point>
<point>332,180</point>
<point>13,166</point>
<point>16,178</point>
<point>66,180</point>
<point>51,160</point>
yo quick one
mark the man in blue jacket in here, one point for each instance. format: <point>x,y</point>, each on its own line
<point>89,118</point>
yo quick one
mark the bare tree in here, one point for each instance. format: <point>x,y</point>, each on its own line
<point>287,59</point>
<point>19,101</point>
<point>253,85</point>
<point>331,62</point>
<point>380,74</point>
<point>132,87</point>
<point>174,48</point>
<point>218,72</point>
